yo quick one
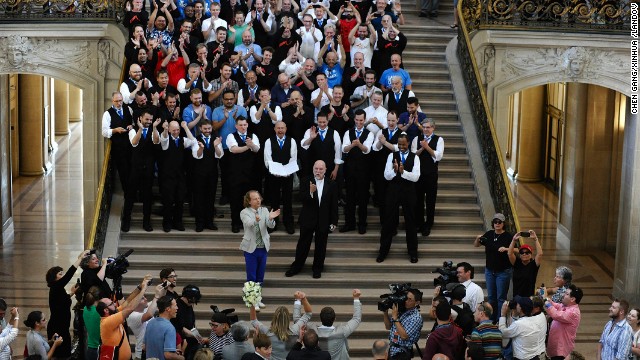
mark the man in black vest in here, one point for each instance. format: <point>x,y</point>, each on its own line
<point>243,148</point>
<point>323,143</point>
<point>356,146</point>
<point>173,183</point>
<point>143,138</point>
<point>402,171</point>
<point>194,79</point>
<point>261,20</point>
<point>263,116</point>
<point>116,123</point>
<point>386,143</point>
<point>134,84</point>
<point>281,149</point>
<point>205,172</point>
<point>319,216</point>
<point>430,148</point>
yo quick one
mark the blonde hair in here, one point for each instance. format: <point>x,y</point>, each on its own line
<point>280,323</point>
<point>203,354</point>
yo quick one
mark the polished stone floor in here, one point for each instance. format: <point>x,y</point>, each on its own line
<point>48,231</point>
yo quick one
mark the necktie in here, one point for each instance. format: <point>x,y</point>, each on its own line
<point>177,141</point>
<point>243,137</point>
<point>429,138</point>
<point>391,133</point>
<point>281,142</point>
<point>144,133</point>
<point>259,241</point>
<point>119,111</point>
<point>358,132</point>
<point>320,22</point>
<point>402,157</point>
<point>322,134</point>
<point>397,97</point>
<point>193,85</point>
<point>252,92</point>
<point>206,142</point>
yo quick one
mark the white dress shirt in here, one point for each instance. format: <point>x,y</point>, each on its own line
<point>380,113</point>
<point>337,145</point>
<point>528,335</point>
<point>267,151</point>
<point>106,122</point>
<point>475,295</point>
<point>319,189</point>
<point>231,141</point>
<point>187,144</point>
<point>377,144</point>
<point>412,175</point>
<point>368,142</point>
<point>256,119</point>
<point>437,153</point>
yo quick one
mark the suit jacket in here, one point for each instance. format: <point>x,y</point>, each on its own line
<point>307,354</point>
<point>251,356</point>
<point>337,336</point>
<point>248,218</point>
<point>320,216</point>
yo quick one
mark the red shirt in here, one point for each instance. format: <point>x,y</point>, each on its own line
<point>176,69</point>
<point>345,28</point>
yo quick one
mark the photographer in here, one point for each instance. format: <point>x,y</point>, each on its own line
<point>404,329</point>
<point>93,274</point>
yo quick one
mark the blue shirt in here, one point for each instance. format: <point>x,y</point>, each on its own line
<point>334,75</point>
<point>413,130</point>
<point>243,50</point>
<point>189,115</point>
<point>411,321</point>
<point>385,79</point>
<point>616,343</point>
<point>159,338</point>
<point>229,126</point>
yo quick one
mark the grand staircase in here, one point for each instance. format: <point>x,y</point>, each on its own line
<point>212,260</point>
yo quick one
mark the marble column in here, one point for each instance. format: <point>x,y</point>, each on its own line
<point>75,104</point>
<point>31,113</point>
<point>61,106</point>
<point>6,201</point>
<point>531,145</point>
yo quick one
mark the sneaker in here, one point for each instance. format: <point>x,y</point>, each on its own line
<point>257,307</point>
<point>261,305</point>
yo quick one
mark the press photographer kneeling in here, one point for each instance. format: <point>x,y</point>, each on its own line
<point>405,322</point>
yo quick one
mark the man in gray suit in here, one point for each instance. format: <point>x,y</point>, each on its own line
<point>336,337</point>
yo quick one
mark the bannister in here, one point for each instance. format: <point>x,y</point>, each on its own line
<point>493,162</point>
<point>98,232</point>
<point>61,10</point>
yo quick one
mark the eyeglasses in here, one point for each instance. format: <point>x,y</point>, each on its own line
<point>497,221</point>
<point>172,276</point>
<point>525,253</point>
<point>213,325</point>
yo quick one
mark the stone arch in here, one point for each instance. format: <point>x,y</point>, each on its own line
<point>88,56</point>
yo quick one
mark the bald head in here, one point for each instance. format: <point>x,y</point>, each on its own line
<point>135,72</point>
<point>380,349</point>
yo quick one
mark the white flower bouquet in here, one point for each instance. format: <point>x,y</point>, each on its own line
<point>251,293</point>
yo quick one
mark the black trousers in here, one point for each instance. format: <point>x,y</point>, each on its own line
<point>224,163</point>
<point>121,158</point>
<point>280,193</point>
<point>204,194</point>
<point>426,193</point>
<point>238,188</point>
<point>172,190</point>
<point>397,196</point>
<point>304,244</point>
<point>139,179</point>
<point>357,195</point>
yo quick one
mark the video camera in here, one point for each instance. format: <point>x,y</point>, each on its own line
<point>231,318</point>
<point>116,267</point>
<point>398,296</point>
<point>448,274</point>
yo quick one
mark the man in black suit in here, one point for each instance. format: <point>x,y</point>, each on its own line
<point>319,216</point>
<point>311,349</point>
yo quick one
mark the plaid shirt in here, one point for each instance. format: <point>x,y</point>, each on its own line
<point>411,321</point>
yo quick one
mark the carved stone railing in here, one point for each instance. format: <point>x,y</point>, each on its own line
<point>76,10</point>
<point>603,16</point>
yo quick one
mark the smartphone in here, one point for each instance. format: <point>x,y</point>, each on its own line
<point>92,251</point>
<point>165,283</point>
<point>149,282</point>
<point>525,234</point>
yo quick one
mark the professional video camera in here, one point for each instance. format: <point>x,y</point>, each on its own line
<point>448,274</point>
<point>116,267</point>
<point>398,296</point>
<point>231,317</point>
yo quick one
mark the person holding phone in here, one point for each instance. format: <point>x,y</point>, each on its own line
<point>526,265</point>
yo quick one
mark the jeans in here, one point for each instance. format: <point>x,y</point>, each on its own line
<point>92,354</point>
<point>497,289</point>
<point>256,264</point>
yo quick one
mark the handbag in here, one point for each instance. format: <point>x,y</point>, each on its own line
<point>108,352</point>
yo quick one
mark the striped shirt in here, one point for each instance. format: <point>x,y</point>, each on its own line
<point>216,343</point>
<point>489,337</point>
<point>616,342</point>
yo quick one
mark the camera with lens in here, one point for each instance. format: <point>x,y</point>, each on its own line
<point>397,296</point>
<point>116,267</point>
<point>448,274</point>
<point>229,313</point>
<point>482,240</point>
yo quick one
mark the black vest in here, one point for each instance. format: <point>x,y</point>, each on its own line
<point>246,95</point>
<point>398,106</point>
<point>241,165</point>
<point>261,36</point>
<point>142,155</point>
<point>323,150</point>
<point>281,155</point>
<point>384,151</point>
<point>174,159</point>
<point>209,160</point>
<point>408,166</point>
<point>185,99</point>
<point>320,27</point>
<point>264,129</point>
<point>121,141</point>
<point>427,165</point>
<point>356,162</point>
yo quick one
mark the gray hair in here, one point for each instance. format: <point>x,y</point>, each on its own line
<point>329,26</point>
<point>379,348</point>
<point>240,331</point>
<point>566,273</point>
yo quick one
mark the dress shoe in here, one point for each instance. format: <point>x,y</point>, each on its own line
<point>199,228</point>
<point>125,225</point>
<point>380,259</point>
<point>426,230</point>
<point>347,228</point>
<point>362,229</point>
<point>166,228</point>
<point>414,259</point>
<point>433,14</point>
<point>317,275</point>
<point>179,227</point>
<point>235,229</point>
<point>147,227</point>
<point>212,226</point>
<point>291,273</point>
<point>290,229</point>
<point>423,14</point>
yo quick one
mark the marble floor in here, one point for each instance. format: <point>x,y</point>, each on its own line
<point>48,232</point>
